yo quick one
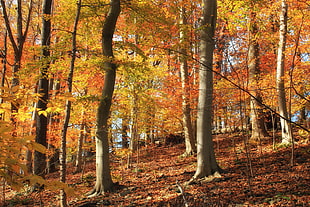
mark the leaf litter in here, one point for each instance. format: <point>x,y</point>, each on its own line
<point>264,178</point>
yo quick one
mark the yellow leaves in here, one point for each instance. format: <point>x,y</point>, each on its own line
<point>57,105</point>
<point>4,128</point>
<point>7,94</point>
<point>57,185</point>
<point>47,17</point>
<point>36,146</point>
<point>24,113</point>
<point>142,2</point>
<point>122,152</point>
<point>12,149</point>
<point>15,165</point>
<point>303,133</point>
<point>53,109</point>
<point>50,185</point>
<point>69,97</point>
<point>44,113</point>
<point>34,179</point>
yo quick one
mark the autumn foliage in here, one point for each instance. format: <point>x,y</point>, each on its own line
<point>147,101</point>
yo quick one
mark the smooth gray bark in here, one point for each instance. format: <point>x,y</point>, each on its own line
<point>186,108</point>
<point>206,162</point>
<point>81,140</point>
<point>285,125</point>
<point>134,136</point>
<point>103,175</point>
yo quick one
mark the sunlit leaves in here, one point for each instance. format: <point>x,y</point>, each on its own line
<point>11,157</point>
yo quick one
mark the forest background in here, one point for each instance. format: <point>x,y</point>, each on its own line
<point>156,50</point>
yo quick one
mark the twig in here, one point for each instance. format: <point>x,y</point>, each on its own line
<point>183,194</point>
<point>3,191</point>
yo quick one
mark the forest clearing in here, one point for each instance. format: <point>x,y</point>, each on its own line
<point>151,179</point>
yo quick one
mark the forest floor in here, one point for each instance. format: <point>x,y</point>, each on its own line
<point>254,176</point>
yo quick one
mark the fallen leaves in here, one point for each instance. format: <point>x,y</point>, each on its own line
<point>152,180</point>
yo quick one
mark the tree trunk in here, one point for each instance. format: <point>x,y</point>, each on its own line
<point>63,146</point>
<point>103,176</point>
<point>206,162</point>
<point>124,133</point>
<point>39,166</point>
<point>4,67</point>
<point>54,124</point>
<point>257,116</point>
<point>4,61</point>
<point>17,45</point>
<point>186,109</point>
<point>134,138</point>
<point>29,153</point>
<point>285,125</point>
<point>81,140</point>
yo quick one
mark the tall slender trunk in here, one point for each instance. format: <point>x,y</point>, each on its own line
<point>186,108</point>
<point>4,66</point>
<point>124,133</point>
<point>54,125</point>
<point>134,138</point>
<point>63,147</point>
<point>285,125</point>
<point>257,117</point>
<point>206,162</point>
<point>39,166</point>
<point>81,140</point>
<point>103,175</point>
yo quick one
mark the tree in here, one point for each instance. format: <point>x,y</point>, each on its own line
<point>4,64</point>
<point>39,166</point>
<point>81,140</point>
<point>103,176</point>
<point>285,125</point>
<point>257,116</point>
<point>186,110</point>
<point>63,148</point>
<point>206,162</point>
<point>18,43</point>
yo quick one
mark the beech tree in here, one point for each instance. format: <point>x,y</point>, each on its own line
<point>206,162</point>
<point>285,125</point>
<point>103,175</point>
<point>257,116</point>
<point>63,149</point>
<point>186,110</point>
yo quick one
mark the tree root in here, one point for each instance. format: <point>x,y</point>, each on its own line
<point>95,192</point>
<point>99,190</point>
<point>202,179</point>
<point>187,154</point>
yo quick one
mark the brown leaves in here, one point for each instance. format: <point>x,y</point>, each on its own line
<point>151,181</point>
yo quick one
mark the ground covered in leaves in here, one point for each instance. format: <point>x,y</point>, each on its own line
<point>255,175</point>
